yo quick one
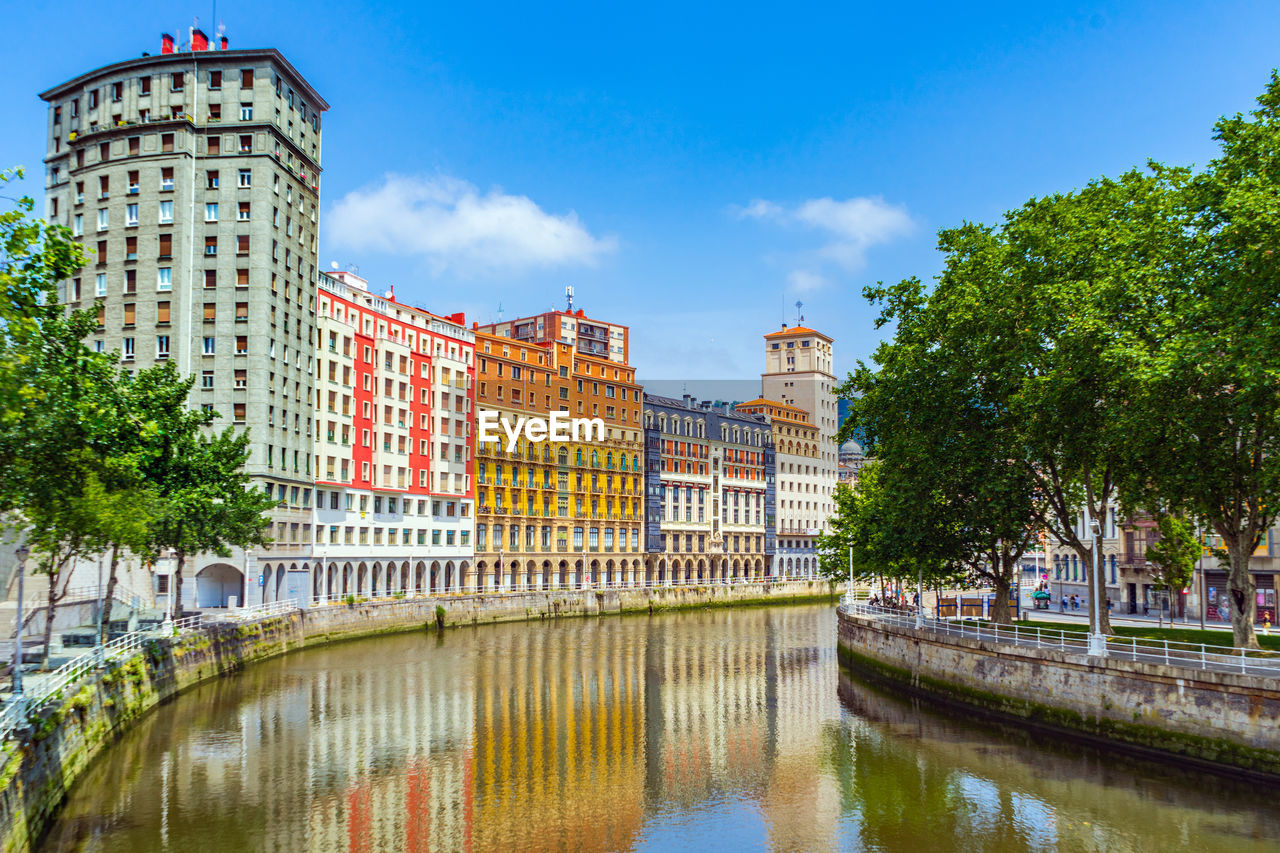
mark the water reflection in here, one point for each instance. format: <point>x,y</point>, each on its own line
<point>729,730</point>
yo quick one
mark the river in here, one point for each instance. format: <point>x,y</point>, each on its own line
<point>730,730</point>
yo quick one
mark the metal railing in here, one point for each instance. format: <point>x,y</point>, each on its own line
<point>263,611</point>
<point>50,686</point>
<point>121,593</point>
<point>1203,656</point>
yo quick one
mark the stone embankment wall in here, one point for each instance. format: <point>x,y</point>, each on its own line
<point>1210,718</point>
<point>38,768</point>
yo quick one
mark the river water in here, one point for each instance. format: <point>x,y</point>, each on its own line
<point>730,730</point>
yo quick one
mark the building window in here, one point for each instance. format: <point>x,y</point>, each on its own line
<point>246,178</point>
<point>162,312</point>
<point>103,219</point>
<point>164,278</point>
<point>211,179</point>
<point>162,346</point>
<point>246,78</point>
<point>214,145</point>
<point>166,213</point>
<point>100,285</point>
<point>128,349</point>
<point>238,412</point>
<point>176,81</point>
<point>246,112</point>
<point>131,216</point>
<point>210,246</point>
<point>215,80</point>
<point>166,146</point>
<point>210,344</point>
<point>210,279</point>
<point>211,212</point>
<point>242,212</point>
<point>77,225</point>
<point>246,143</point>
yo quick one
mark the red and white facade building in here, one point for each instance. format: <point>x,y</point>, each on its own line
<point>395,394</point>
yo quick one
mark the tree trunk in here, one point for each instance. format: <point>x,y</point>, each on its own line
<point>53,600</point>
<point>1241,590</point>
<point>175,587</point>
<point>106,597</point>
<point>1000,612</point>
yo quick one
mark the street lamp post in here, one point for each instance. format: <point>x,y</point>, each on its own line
<point>21,553</point>
<point>1097,642</point>
<point>173,566</point>
<point>101,601</point>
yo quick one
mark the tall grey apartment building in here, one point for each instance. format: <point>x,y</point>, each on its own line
<point>192,178</point>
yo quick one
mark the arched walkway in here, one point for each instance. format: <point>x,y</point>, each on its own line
<point>217,584</point>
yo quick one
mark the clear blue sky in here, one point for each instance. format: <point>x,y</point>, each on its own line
<point>693,171</point>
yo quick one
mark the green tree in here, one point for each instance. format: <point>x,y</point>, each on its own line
<point>1207,426</point>
<point>964,501</point>
<point>205,500</point>
<point>1172,558</point>
<point>64,484</point>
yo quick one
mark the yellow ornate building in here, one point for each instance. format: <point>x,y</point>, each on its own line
<point>552,512</point>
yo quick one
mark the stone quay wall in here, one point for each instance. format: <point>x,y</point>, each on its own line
<point>39,766</point>
<point>1212,719</point>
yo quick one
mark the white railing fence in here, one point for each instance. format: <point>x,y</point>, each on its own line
<point>1168,652</point>
<point>46,687</point>
<point>263,611</point>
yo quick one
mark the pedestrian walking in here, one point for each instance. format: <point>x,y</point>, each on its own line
<point>1062,603</point>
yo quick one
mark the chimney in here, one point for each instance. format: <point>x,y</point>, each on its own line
<point>199,41</point>
<point>166,43</point>
<point>223,43</point>
<point>688,401</point>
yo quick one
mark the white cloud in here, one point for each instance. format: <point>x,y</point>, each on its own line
<point>805,281</point>
<point>455,226</point>
<point>852,226</point>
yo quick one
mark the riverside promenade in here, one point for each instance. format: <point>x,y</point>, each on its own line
<point>1205,704</point>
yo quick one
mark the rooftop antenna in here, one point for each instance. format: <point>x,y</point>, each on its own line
<point>568,295</point>
<point>799,313</point>
<point>499,312</point>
